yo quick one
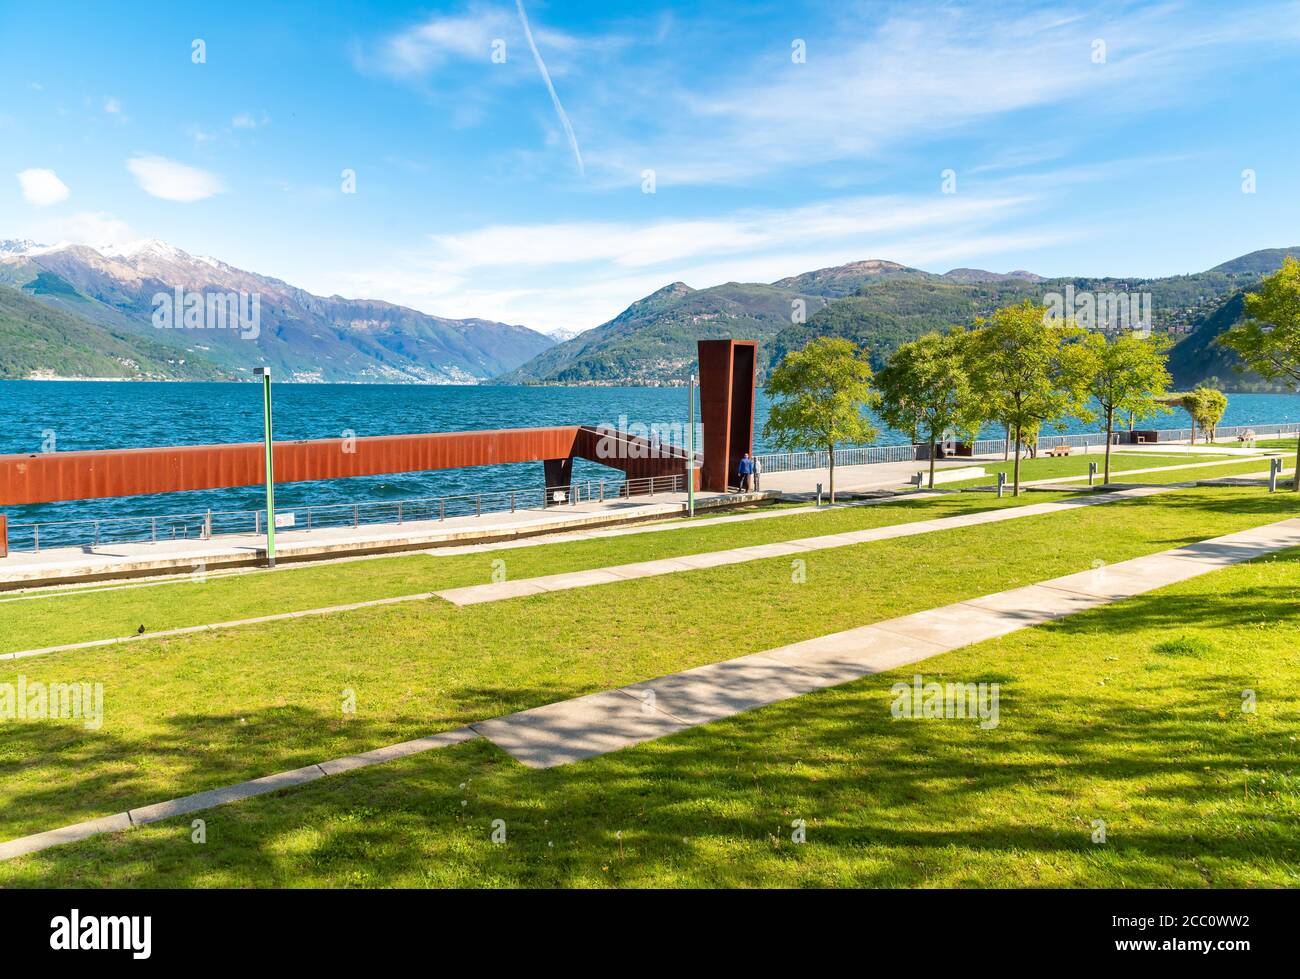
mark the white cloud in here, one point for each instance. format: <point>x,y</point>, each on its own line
<point>636,245</point>
<point>918,75</point>
<point>172,181</point>
<point>98,229</point>
<point>576,275</point>
<point>42,187</point>
<point>432,43</point>
<point>246,120</point>
<point>112,106</point>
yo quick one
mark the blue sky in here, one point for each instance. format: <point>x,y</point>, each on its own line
<point>1085,139</point>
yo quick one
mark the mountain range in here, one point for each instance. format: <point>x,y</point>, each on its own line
<point>881,305</point>
<point>76,311</point>
<point>110,294</point>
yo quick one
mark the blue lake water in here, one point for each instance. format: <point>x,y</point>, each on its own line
<point>111,415</point>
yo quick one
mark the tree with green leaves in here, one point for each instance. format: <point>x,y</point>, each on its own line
<point>1128,376</point>
<point>1206,405</point>
<point>1027,371</point>
<point>818,397</point>
<point>1269,339</point>
<point>925,389</point>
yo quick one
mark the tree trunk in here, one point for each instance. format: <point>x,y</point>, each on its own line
<point>1110,427</point>
<point>933,446</point>
<point>831,454</point>
<point>1015,486</point>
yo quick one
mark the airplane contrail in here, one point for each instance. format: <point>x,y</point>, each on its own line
<point>555,99</point>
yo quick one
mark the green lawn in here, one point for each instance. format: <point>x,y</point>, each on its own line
<point>1048,467</point>
<point>53,617</point>
<point>56,617</point>
<point>1130,714</point>
<point>195,712</point>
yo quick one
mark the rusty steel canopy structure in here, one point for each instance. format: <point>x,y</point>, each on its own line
<point>727,376</point>
<point>56,476</point>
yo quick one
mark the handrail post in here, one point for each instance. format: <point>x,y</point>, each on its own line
<point>153,530</point>
<point>478,505</point>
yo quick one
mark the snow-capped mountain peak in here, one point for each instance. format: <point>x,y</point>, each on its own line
<point>19,246</point>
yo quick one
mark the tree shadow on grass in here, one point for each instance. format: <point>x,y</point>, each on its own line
<point>887,802</point>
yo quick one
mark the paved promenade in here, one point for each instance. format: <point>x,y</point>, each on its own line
<point>25,568</point>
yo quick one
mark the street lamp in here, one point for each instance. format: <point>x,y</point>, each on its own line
<point>265,374</point>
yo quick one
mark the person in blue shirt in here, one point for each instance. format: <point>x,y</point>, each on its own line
<point>746,469</point>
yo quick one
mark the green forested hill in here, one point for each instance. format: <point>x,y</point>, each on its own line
<point>879,305</point>
<point>36,338</point>
<point>885,314</point>
<point>654,338</point>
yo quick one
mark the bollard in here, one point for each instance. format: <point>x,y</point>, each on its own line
<point>1092,473</point>
<point>1002,484</point>
<point>819,494</point>
<point>1274,467</point>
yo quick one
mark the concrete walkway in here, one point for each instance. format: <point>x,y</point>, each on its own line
<point>584,727</point>
<point>498,591</point>
<point>563,733</point>
<point>107,561</point>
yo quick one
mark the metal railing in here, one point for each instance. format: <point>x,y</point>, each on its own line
<point>214,523</point>
<point>864,455</point>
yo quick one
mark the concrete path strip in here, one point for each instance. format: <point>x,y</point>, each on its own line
<point>499,591</point>
<point>226,794</point>
<point>570,731</point>
<point>211,626</point>
<point>599,723</point>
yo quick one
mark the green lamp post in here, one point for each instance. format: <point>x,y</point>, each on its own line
<point>265,374</point>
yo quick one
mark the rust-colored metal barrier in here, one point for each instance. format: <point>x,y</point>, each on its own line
<point>55,476</point>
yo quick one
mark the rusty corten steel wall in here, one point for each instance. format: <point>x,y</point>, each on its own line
<point>50,477</point>
<point>727,378</point>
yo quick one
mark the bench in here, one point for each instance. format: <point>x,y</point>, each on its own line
<point>1059,450</point>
